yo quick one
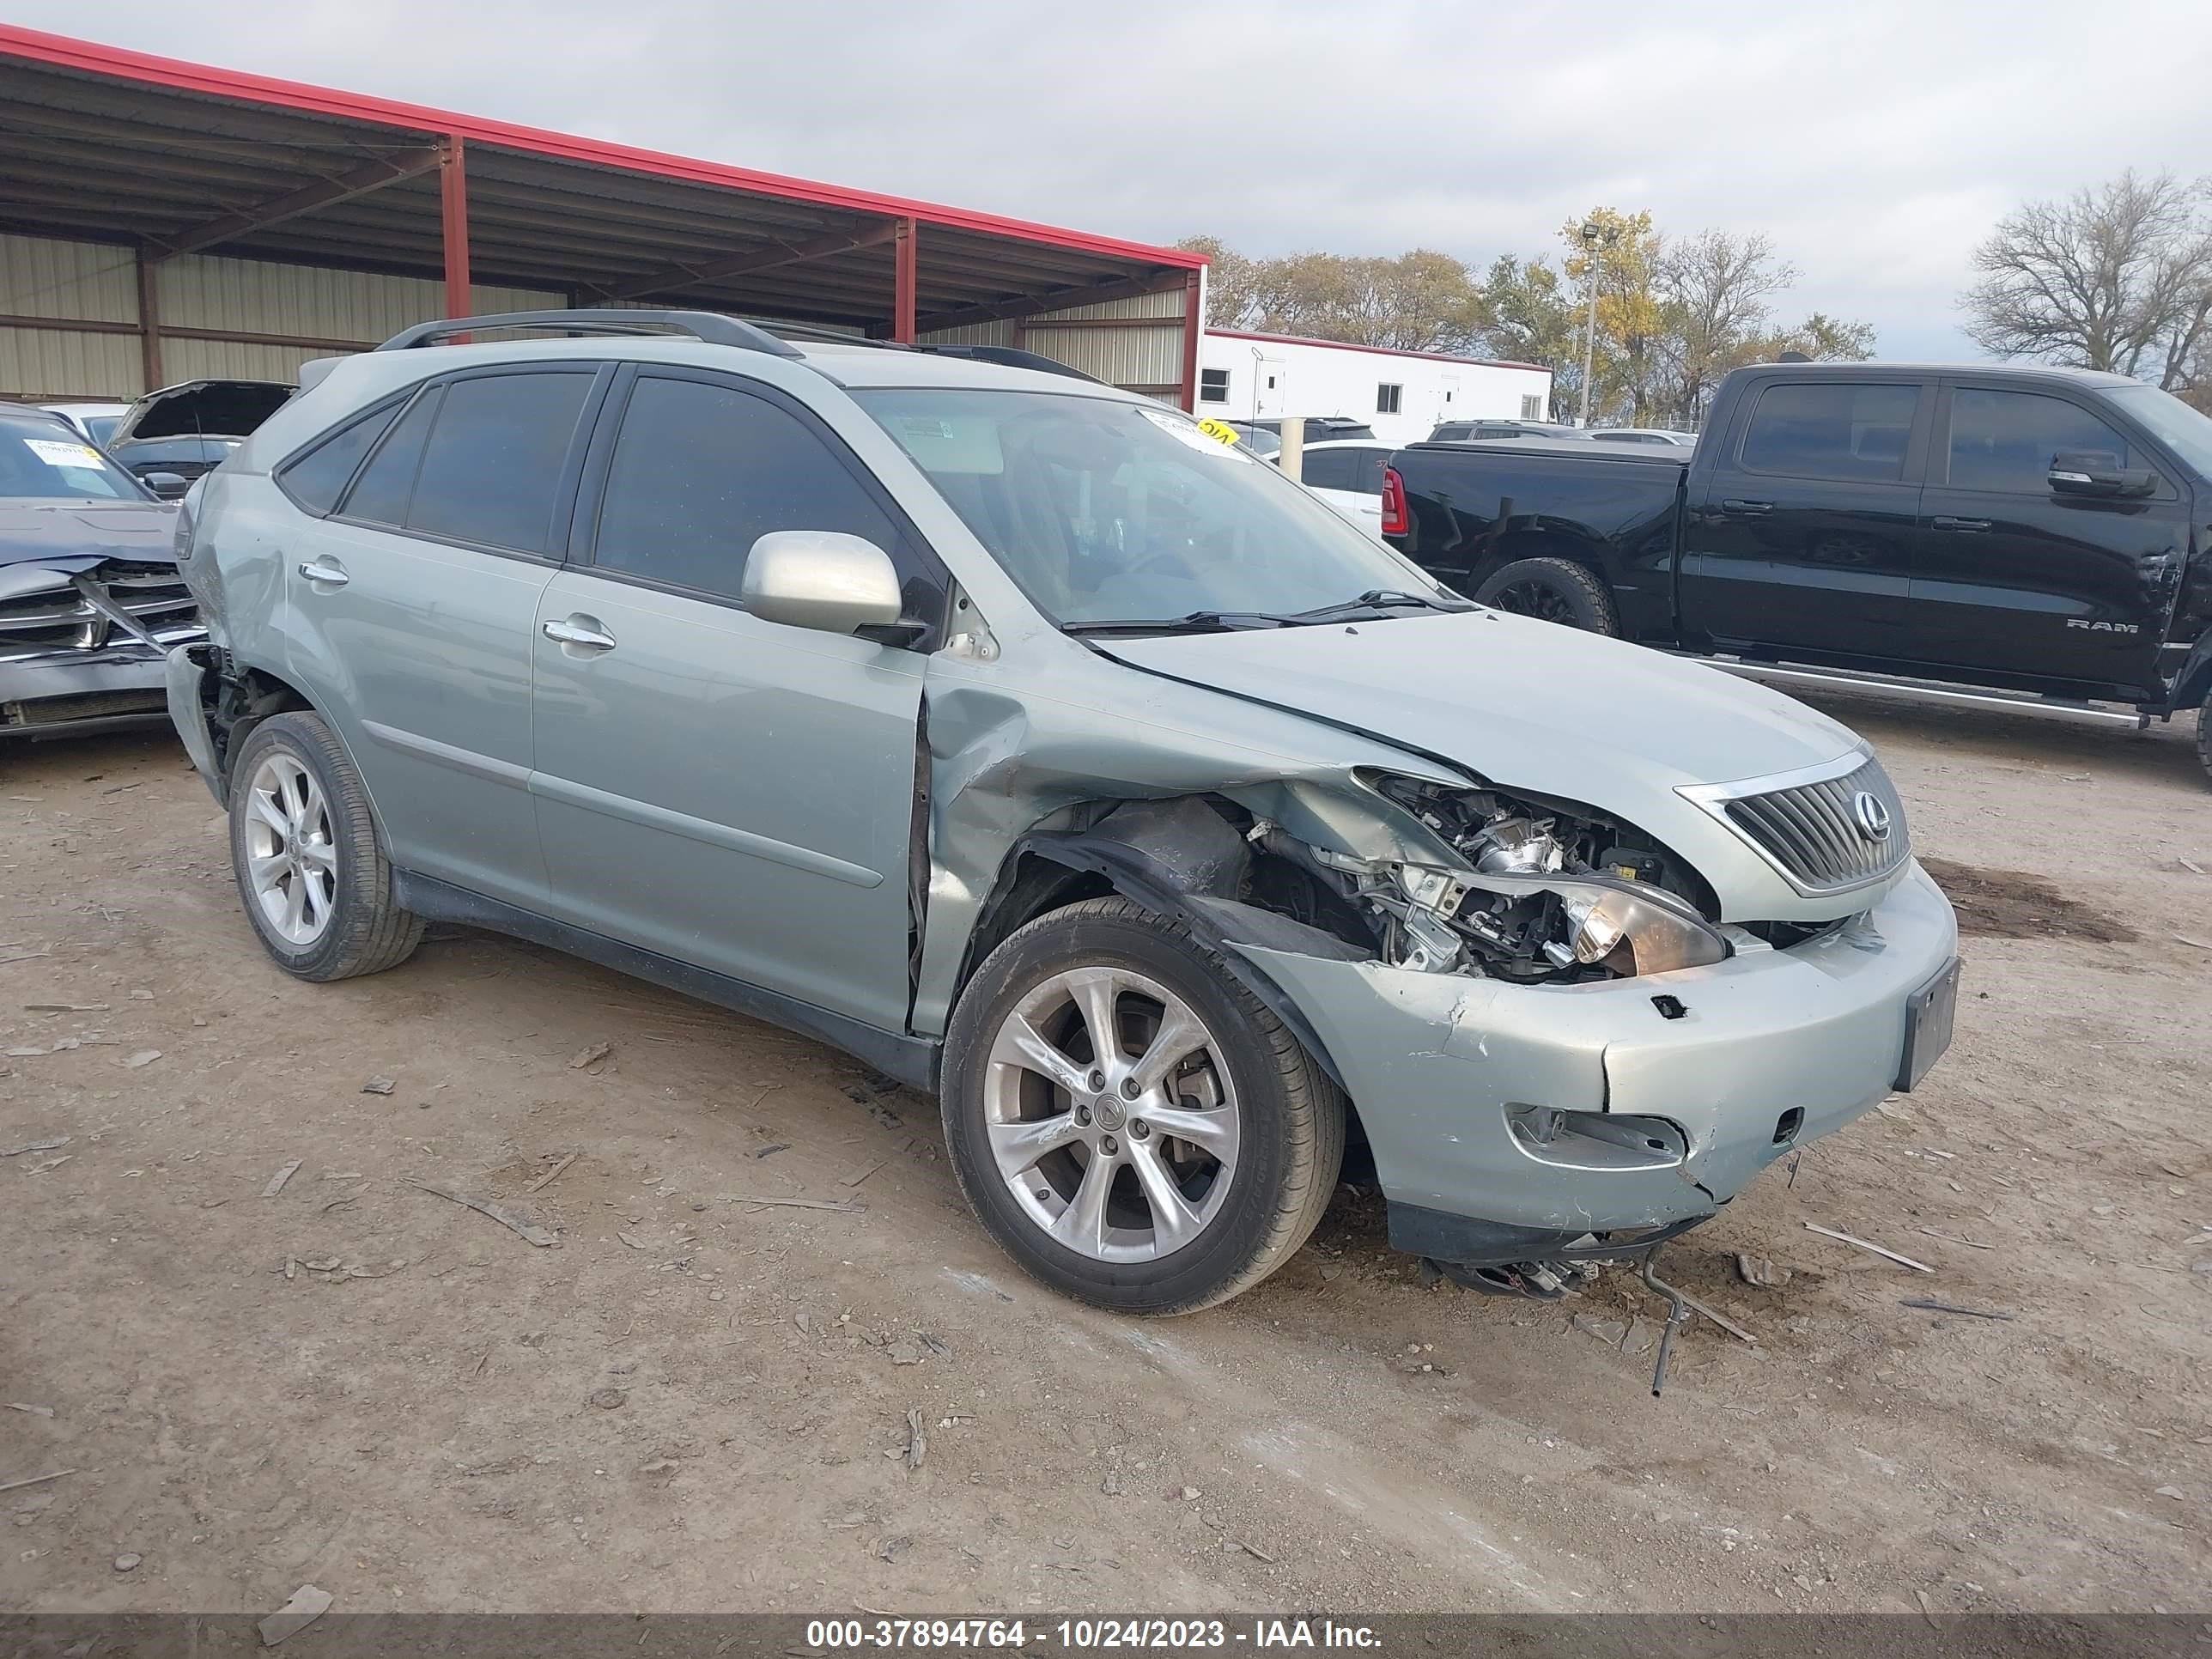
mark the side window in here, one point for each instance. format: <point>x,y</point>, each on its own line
<point>2004,441</point>
<point>318,478</point>
<point>492,469</point>
<point>1389,395</point>
<point>1329,469</point>
<point>1835,430</point>
<point>380,494</point>
<point>701,471</point>
<point>1213,386</point>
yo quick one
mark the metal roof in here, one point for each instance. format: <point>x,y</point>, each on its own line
<point>100,143</point>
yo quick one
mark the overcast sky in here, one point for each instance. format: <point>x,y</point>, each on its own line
<point>1874,142</point>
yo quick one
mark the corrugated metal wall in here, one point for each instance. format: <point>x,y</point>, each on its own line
<point>1135,343</point>
<point>302,312</point>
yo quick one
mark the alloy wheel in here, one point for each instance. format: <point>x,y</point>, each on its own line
<point>291,857</point>
<point>1111,1115</point>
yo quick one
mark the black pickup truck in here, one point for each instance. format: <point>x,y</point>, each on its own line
<point>1988,535</point>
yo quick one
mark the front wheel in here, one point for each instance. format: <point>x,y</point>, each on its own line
<point>1129,1122</point>
<point>1554,591</point>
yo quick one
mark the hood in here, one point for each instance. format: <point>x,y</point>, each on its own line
<point>210,409</point>
<point>1523,704</point>
<point>77,535</point>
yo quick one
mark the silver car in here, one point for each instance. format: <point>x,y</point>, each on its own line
<point>1013,735</point>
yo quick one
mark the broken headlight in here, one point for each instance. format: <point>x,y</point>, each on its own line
<point>1551,892</point>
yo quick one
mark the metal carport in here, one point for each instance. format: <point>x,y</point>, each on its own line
<point>176,171</point>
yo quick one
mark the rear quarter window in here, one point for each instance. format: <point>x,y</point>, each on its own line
<point>1842,430</point>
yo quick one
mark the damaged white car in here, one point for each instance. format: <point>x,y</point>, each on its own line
<point>1015,736</point>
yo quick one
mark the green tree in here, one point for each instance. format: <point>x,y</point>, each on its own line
<point>1420,300</point>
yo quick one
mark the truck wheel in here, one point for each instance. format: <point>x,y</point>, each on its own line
<point>1554,591</point>
<point>303,844</point>
<point>1127,1120</point>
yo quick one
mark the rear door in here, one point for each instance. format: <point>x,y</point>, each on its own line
<point>730,793</point>
<point>2016,579</point>
<point>412,606</point>
<point>1804,538</point>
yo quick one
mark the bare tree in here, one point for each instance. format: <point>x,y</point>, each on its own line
<point>2115,276</point>
<point>1714,289</point>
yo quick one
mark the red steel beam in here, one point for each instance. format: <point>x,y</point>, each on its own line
<point>906,284</point>
<point>454,203</point>
<point>1193,318</point>
<point>327,192</point>
<point>742,264</point>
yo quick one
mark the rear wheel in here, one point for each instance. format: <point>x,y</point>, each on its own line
<point>1129,1122</point>
<point>1554,591</point>
<point>303,844</point>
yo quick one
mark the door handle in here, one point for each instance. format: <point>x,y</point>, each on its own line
<point>1943,522</point>
<point>1749,510</point>
<point>324,573</point>
<point>584,636</point>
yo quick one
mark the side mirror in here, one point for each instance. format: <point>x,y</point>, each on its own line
<point>169,486</point>
<point>2097,472</point>
<point>823,579</point>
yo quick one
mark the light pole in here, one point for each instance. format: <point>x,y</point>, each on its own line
<point>1594,237</point>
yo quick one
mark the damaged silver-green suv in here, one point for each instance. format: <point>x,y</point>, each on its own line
<point>1012,734</point>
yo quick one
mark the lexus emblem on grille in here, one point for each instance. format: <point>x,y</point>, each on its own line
<point>1872,817</point>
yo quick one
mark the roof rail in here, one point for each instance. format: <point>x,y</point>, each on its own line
<point>710,327</point>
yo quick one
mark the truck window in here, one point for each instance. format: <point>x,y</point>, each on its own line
<point>1835,430</point>
<point>2004,441</point>
<point>1329,469</point>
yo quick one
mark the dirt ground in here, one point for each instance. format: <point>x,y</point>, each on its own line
<point>694,1401</point>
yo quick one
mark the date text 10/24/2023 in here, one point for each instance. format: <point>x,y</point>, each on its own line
<point>1087,1634</point>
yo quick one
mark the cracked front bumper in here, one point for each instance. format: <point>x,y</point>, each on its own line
<point>67,694</point>
<point>1463,1083</point>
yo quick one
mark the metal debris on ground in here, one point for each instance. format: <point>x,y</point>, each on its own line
<point>591,1056</point>
<point>307,1604</point>
<point>2198,944</point>
<point>2190,865</point>
<point>34,1480</point>
<point>547,1178</point>
<point>522,1226</point>
<point>1931,1305</point>
<point>276,1182</point>
<point>1902,1261</point>
<point>1254,1550</point>
<point>768,1150</point>
<point>936,1344</point>
<point>377,1085</point>
<point>917,1439</point>
<point>1720,1320</point>
<point>1971,1244</point>
<point>64,1007</point>
<point>855,1180</point>
<point>1759,1271</point>
<point>53,1144</point>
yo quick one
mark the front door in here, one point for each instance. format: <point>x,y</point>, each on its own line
<point>2017,580</point>
<point>730,793</point>
<point>1804,540</point>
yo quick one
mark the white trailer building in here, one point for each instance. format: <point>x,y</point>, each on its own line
<point>1401,394</point>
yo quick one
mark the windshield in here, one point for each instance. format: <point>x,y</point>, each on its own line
<point>2171,422</point>
<point>1103,511</point>
<point>50,462</point>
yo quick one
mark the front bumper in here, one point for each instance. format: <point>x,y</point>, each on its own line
<point>67,694</point>
<point>1770,1049</point>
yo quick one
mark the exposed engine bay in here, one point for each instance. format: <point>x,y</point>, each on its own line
<point>1549,893</point>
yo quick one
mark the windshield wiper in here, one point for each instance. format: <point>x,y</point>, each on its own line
<point>1197,622</point>
<point>1375,602</point>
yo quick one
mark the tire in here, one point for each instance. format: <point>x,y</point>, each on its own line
<point>1272,1120</point>
<point>325,911</point>
<point>1551,589</point>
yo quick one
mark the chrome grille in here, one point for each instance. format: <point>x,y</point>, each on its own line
<point>1810,829</point>
<point>120,602</point>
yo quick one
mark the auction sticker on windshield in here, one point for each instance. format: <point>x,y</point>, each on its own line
<point>1194,434</point>
<point>56,454</point>
<point>1220,431</point>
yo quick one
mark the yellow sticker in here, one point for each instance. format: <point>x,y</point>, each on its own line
<point>1220,431</point>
